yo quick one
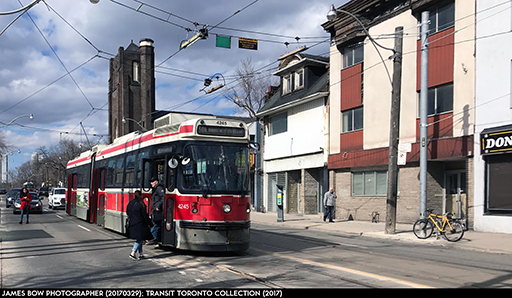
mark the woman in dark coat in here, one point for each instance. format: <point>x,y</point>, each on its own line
<point>139,224</point>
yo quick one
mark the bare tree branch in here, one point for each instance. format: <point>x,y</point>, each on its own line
<point>250,89</point>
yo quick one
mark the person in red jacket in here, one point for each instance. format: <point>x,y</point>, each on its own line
<point>25,198</point>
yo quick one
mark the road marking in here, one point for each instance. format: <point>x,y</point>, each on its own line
<point>59,216</point>
<point>84,228</point>
<point>353,245</point>
<point>348,270</point>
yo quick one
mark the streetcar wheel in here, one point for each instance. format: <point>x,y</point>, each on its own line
<point>423,228</point>
<point>456,233</point>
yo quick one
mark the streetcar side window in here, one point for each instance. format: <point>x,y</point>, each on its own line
<point>110,172</point>
<point>130,170</point>
<point>83,175</point>
<point>140,157</point>
<point>147,174</point>
<point>119,171</point>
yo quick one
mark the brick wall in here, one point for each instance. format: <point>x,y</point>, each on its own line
<point>360,207</point>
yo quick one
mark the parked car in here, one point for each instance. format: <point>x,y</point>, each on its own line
<point>36,206</point>
<point>3,191</point>
<point>11,196</point>
<point>43,192</point>
<point>57,198</point>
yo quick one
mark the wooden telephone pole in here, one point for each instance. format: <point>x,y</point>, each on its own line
<point>394,134</point>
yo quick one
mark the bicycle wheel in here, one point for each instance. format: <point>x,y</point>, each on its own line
<point>456,233</point>
<point>423,228</point>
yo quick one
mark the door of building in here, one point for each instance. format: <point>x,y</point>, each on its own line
<point>455,193</point>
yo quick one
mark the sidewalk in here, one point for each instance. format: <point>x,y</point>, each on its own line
<point>479,241</point>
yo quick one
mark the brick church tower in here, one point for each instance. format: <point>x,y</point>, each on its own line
<point>131,89</point>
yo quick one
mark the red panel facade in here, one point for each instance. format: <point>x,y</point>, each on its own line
<point>351,141</point>
<point>440,59</point>
<point>437,149</point>
<point>351,86</point>
<point>442,126</point>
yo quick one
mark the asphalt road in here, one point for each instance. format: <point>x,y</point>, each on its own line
<point>59,251</point>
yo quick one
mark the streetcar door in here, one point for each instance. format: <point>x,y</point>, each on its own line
<point>168,233</point>
<point>168,225</point>
<point>153,168</point>
<point>93,196</point>
<point>69,194</point>
<point>100,219</point>
<point>73,185</point>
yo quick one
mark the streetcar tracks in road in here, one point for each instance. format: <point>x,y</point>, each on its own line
<point>345,269</point>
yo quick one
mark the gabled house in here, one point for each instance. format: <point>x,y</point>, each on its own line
<point>296,134</point>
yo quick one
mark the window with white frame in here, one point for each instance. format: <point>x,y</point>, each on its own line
<point>441,17</point>
<point>353,55</point>
<point>369,183</point>
<point>299,79</point>
<point>287,84</point>
<point>440,99</point>
<point>278,124</point>
<point>352,120</point>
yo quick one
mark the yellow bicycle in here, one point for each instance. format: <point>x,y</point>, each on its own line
<point>452,229</point>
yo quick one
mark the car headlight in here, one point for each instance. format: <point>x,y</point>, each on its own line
<point>226,208</point>
<point>17,205</point>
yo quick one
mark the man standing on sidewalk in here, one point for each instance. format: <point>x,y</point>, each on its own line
<point>157,214</point>
<point>329,204</point>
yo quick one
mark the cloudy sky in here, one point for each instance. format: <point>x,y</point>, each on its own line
<point>54,60</point>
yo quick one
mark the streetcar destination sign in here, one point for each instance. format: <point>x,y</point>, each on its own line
<point>220,131</point>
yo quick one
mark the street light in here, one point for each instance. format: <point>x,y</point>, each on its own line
<point>94,1</point>
<point>331,15</point>
<point>12,121</point>
<point>138,123</point>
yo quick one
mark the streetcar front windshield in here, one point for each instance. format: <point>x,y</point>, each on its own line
<point>216,168</point>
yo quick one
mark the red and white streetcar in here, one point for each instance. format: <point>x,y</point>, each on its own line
<point>203,163</point>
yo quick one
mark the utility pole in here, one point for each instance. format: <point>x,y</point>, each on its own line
<point>394,133</point>
<point>423,112</point>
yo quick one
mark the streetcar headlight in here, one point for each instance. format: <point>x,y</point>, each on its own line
<point>194,210</point>
<point>226,208</point>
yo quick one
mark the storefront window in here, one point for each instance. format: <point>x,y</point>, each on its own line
<point>499,188</point>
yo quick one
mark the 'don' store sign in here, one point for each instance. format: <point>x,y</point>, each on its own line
<point>499,141</point>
